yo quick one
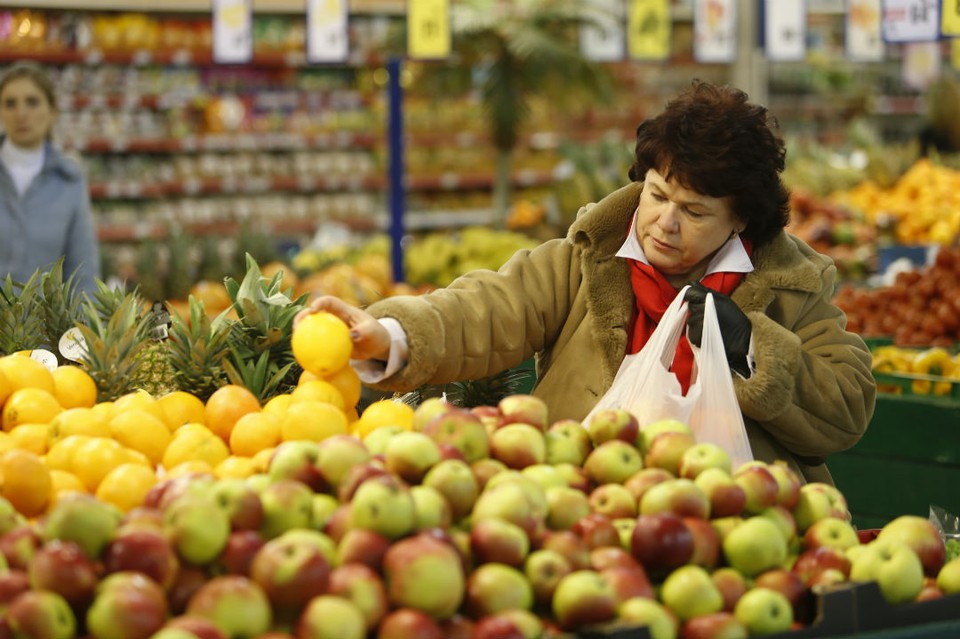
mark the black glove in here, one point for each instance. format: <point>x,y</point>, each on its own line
<point>735,327</point>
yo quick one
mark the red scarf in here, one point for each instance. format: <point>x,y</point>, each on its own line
<point>654,294</point>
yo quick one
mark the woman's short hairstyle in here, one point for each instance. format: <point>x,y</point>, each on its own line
<point>712,140</point>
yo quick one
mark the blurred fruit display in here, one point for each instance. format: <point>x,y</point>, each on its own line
<point>835,230</point>
<point>921,308</point>
<point>931,371</point>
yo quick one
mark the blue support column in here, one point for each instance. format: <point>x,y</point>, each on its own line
<point>397,189</point>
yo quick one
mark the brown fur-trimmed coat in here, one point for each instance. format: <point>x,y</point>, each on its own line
<point>569,302</point>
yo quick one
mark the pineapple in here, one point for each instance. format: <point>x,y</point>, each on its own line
<point>21,318</point>
<point>197,351</point>
<point>261,357</point>
<point>61,307</point>
<point>121,354</point>
<point>486,391</point>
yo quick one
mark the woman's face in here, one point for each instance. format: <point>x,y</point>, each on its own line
<point>26,113</point>
<point>680,230</point>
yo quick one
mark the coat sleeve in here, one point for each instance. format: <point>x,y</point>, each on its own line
<point>813,389</point>
<point>485,321</point>
<point>82,250</point>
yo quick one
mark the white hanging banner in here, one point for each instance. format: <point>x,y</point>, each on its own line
<point>327,35</point>
<point>911,20</point>
<point>785,30</point>
<point>864,41</point>
<point>922,64</point>
<point>648,29</point>
<point>232,31</point>
<point>715,31</point>
<point>604,39</point>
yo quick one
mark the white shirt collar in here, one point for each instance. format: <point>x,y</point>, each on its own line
<point>731,258</point>
<point>22,164</point>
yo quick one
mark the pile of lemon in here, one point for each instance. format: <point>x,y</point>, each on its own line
<point>57,438</point>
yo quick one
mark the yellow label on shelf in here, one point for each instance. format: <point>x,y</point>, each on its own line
<point>955,53</point>
<point>950,18</point>
<point>428,29</point>
<point>648,29</point>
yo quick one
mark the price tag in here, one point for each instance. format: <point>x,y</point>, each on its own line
<point>232,31</point>
<point>602,38</point>
<point>911,20</point>
<point>715,31</point>
<point>864,40</point>
<point>45,357</point>
<point>327,34</point>
<point>921,64</point>
<point>785,30</point>
<point>950,18</point>
<point>428,29</point>
<point>648,29</point>
<point>72,345</point>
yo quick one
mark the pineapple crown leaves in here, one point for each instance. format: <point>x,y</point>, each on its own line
<point>21,318</point>
<point>485,391</point>
<point>198,351</point>
<point>261,304</point>
<point>62,307</point>
<point>263,377</point>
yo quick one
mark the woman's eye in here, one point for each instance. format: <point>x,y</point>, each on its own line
<point>658,197</point>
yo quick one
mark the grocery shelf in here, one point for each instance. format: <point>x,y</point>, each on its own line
<point>177,57</point>
<point>227,142</point>
<point>203,6</point>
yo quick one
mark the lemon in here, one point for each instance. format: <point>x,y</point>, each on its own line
<point>321,343</point>
<point>313,421</point>
<point>126,486</point>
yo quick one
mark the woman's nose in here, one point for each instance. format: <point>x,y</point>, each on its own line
<point>669,220</point>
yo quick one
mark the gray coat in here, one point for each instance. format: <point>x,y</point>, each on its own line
<point>569,302</point>
<point>51,220</point>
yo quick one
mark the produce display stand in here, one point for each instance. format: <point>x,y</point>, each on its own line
<point>908,460</point>
<point>851,611</point>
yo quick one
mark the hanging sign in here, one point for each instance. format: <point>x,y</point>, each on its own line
<point>955,53</point>
<point>602,39</point>
<point>232,31</point>
<point>950,18</point>
<point>785,30</point>
<point>428,29</point>
<point>648,29</point>
<point>715,31</point>
<point>921,64</point>
<point>864,40</point>
<point>911,20</point>
<point>327,36</point>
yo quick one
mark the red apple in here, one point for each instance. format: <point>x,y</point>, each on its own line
<point>715,625</point>
<point>185,584</point>
<point>613,500</point>
<point>612,423</point>
<point>499,541</point>
<point>677,496</point>
<point>492,588</point>
<point>726,497</point>
<point>41,614</point>
<point>661,541</point>
<point>409,623</point>
<point>811,563</point>
<point>523,409</point>
<point>127,605</point>
<point>62,567</point>
<point>791,586</point>
<point>237,605</point>
<point>197,626</point>
<point>143,550</point>
<point>457,627</point>
<point>290,572</point>
<point>643,479</point>
<point>424,573</point>
<point>570,546</point>
<point>597,530</point>
<point>544,569</point>
<point>19,545</point>
<point>410,454</point>
<point>240,501</point>
<point>518,445</point>
<point>731,583</point>
<point>359,545</point>
<point>584,597</point>
<point>759,486</point>
<point>666,450</point>
<point>832,531</point>
<point>628,582</point>
<point>365,588</point>
<point>706,542</point>
<point>611,557</point>
<point>463,430</point>
<point>297,461</point>
<point>356,476</point>
<point>242,547</point>
<point>484,469</point>
<point>12,583</point>
<point>920,535</point>
<point>788,482</point>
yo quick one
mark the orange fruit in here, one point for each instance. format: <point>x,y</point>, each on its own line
<point>278,404</point>
<point>126,486</point>
<point>384,412</point>
<point>321,343</point>
<point>23,372</point>
<point>313,421</point>
<point>142,432</point>
<point>347,382</point>
<point>253,432</point>
<point>318,390</point>
<point>237,467</point>
<point>226,405</point>
<point>138,400</point>
<point>77,421</point>
<point>25,482</point>
<point>195,446</point>
<point>62,482</point>
<point>30,437</point>
<point>180,407</point>
<point>94,458</point>
<point>27,405</point>
<point>73,387</point>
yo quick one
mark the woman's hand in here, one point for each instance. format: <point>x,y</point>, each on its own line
<point>370,339</point>
<point>735,327</point>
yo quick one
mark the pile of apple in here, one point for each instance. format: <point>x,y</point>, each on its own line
<point>490,523</point>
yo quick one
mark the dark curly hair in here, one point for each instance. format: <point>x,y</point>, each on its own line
<point>712,140</point>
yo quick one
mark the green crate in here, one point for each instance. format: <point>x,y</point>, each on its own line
<point>908,459</point>
<point>924,386</point>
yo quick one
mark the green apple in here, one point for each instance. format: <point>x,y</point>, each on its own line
<point>544,569</point>
<point>948,579</point>
<point>511,501</point>
<point>612,423</point>
<point>463,430</point>
<point>701,456</point>
<point>566,506</point>
<point>816,501</point>
<point>290,571</point>
<point>126,604</point>
<point>424,573</point>
<point>287,504</point>
<point>545,475</point>
<point>409,455</point>
<point>319,540</point>
<point>562,449</point>
<point>492,588</point>
<point>331,617</point>
<point>640,611</point>
<point>364,586</point>
<point>649,431</point>
<point>574,431</point>
<point>431,508</point>
<point>338,454</point>
<point>297,461</point>
<point>84,520</point>
<point>584,597</point>
<point>727,498</point>
<point>678,496</point>
<point>524,409</point>
<point>833,532</point>
<point>666,450</point>
<point>922,536</point>
<point>688,591</point>
<point>377,439</point>
<point>384,505</point>
<point>324,506</point>
<point>236,604</point>
<point>613,500</point>
<point>893,565</point>
<point>428,410</point>
<point>764,611</point>
<point>454,479</point>
<point>612,462</point>
<point>518,445</point>
<point>754,546</point>
<point>198,529</point>
<point>239,501</point>
<point>10,518</point>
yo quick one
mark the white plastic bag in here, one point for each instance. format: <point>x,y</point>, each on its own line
<point>645,386</point>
